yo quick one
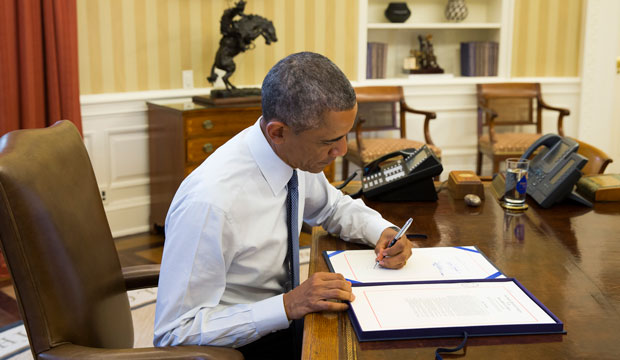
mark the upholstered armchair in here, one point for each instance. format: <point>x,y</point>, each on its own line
<point>380,109</point>
<point>504,106</point>
<point>70,288</point>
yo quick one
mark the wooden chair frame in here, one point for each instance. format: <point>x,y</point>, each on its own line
<point>386,94</point>
<point>487,116</point>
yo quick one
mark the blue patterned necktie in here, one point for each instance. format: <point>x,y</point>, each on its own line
<point>292,254</point>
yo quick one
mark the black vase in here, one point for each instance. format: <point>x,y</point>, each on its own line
<point>397,12</point>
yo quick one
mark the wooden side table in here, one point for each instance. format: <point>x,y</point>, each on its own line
<point>181,136</point>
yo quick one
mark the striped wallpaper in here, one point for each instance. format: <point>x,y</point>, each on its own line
<point>136,45</point>
<point>547,38</point>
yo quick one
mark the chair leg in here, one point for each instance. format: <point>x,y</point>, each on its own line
<point>345,168</point>
<point>478,163</point>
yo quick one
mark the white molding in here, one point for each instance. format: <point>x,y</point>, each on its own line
<point>362,38</point>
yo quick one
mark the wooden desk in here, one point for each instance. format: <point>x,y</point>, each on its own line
<point>567,256</point>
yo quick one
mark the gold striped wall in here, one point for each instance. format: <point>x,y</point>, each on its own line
<point>136,45</point>
<point>547,38</point>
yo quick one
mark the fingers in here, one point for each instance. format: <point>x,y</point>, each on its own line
<point>317,294</point>
<point>396,256</point>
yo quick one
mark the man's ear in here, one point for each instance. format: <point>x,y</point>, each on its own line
<point>275,130</point>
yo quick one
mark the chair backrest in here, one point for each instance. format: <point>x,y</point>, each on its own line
<point>381,108</point>
<point>597,158</point>
<point>57,242</point>
<point>514,104</point>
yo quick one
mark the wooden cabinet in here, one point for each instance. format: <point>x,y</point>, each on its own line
<point>181,136</point>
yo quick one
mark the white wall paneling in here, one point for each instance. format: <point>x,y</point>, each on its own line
<point>115,130</point>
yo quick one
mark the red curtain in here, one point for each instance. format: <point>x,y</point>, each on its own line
<point>39,79</point>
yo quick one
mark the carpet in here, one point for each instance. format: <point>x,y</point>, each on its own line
<point>14,341</point>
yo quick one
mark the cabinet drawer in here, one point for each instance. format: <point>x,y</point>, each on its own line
<point>220,124</point>
<point>189,169</point>
<point>199,149</point>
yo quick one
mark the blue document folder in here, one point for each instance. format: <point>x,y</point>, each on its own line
<point>437,318</point>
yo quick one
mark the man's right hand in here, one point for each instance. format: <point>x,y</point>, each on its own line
<point>314,294</point>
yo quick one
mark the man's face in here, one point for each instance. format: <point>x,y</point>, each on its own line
<point>312,150</point>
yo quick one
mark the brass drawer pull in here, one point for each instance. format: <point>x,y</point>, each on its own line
<point>207,148</point>
<point>207,124</point>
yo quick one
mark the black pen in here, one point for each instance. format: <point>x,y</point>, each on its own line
<point>398,235</point>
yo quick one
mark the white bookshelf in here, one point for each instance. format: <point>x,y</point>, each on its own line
<point>488,20</point>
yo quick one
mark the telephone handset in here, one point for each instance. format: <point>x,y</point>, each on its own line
<point>555,170</point>
<point>407,179</point>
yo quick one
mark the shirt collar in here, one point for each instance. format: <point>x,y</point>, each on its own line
<point>274,170</point>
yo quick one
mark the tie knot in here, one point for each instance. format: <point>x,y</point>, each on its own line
<point>292,183</point>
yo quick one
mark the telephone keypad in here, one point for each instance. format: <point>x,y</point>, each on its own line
<point>386,175</point>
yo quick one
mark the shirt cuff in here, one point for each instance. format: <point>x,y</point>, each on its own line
<point>375,228</point>
<point>269,315</point>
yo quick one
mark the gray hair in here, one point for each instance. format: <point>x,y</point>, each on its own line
<point>301,88</point>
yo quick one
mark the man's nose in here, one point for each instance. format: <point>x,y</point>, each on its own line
<point>340,148</point>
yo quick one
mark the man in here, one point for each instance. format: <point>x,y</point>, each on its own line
<point>225,268</point>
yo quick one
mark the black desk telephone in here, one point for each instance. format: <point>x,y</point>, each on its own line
<point>407,179</point>
<point>555,170</point>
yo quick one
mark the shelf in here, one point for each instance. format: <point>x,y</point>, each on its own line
<point>457,80</point>
<point>439,26</point>
<point>488,21</point>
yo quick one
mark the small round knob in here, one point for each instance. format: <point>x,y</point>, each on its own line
<point>207,124</point>
<point>207,148</point>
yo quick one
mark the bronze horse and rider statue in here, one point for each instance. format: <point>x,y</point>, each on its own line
<point>237,37</point>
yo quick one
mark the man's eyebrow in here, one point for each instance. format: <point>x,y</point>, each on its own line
<point>335,139</point>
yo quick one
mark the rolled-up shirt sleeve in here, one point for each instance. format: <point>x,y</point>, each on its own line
<point>340,214</point>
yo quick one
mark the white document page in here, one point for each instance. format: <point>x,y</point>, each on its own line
<point>421,306</point>
<point>434,263</point>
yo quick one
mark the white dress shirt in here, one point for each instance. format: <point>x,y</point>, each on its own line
<point>224,263</point>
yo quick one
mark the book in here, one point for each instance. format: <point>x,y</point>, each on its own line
<point>601,187</point>
<point>479,58</point>
<point>376,60</point>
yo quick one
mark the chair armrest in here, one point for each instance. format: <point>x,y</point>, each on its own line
<point>562,112</point>
<point>141,276</point>
<point>358,136</point>
<point>489,111</point>
<point>72,351</point>
<point>428,116</point>
<point>491,123</point>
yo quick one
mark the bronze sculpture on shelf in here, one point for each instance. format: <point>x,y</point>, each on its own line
<point>237,37</point>
<point>425,57</point>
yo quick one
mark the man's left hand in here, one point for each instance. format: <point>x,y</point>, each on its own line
<point>396,256</point>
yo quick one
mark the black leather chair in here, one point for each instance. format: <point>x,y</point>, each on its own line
<point>71,290</point>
